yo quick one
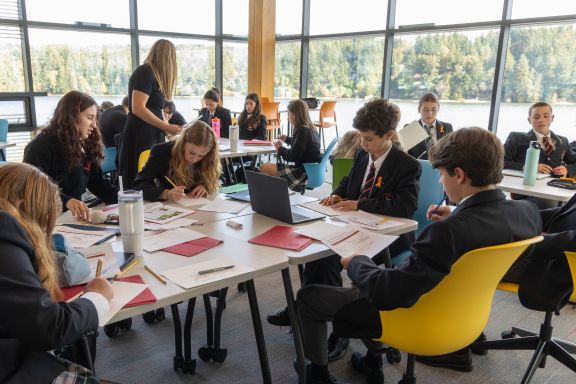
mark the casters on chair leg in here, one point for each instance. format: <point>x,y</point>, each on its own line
<point>508,334</point>
<point>186,366</point>
<point>154,317</point>
<point>114,329</point>
<point>207,353</point>
<point>393,355</point>
<point>241,287</point>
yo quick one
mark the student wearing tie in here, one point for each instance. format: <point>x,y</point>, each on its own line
<point>428,107</point>
<point>556,156</point>
<point>383,180</point>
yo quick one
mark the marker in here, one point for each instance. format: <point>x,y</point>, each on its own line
<point>217,269</point>
<point>128,267</point>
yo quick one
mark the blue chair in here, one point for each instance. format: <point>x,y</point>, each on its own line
<point>109,163</point>
<point>317,171</point>
<point>3,137</point>
<point>431,192</point>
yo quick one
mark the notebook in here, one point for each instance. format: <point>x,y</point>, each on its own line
<point>515,173</point>
<point>284,237</point>
<point>193,247</point>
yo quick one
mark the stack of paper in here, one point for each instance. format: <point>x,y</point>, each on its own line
<point>188,277</point>
<point>81,238</point>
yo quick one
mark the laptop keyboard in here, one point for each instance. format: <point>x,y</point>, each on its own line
<point>298,217</point>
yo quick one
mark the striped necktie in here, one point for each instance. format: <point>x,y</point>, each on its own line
<point>547,146</point>
<point>367,187</point>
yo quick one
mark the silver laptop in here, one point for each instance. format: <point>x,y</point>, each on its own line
<point>269,197</point>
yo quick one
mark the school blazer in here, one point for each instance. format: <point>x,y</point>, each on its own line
<point>225,119</point>
<point>517,144</point>
<point>420,151</point>
<point>394,193</point>
<point>30,322</point>
<point>482,220</point>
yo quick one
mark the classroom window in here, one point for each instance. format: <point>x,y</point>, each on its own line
<point>11,63</point>
<point>529,8</point>
<point>235,17</point>
<point>329,16</point>
<point>441,12</point>
<point>287,72</point>
<point>105,13</point>
<point>288,17</point>
<point>235,74</point>
<point>190,16</point>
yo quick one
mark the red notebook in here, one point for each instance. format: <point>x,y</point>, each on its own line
<point>257,142</point>
<point>194,247</point>
<point>145,297</point>
<point>282,236</point>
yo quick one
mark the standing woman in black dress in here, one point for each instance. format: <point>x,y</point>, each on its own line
<point>150,85</point>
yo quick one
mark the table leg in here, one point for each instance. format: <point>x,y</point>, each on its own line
<point>296,331</point>
<point>258,332</point>
<point>179,362</point>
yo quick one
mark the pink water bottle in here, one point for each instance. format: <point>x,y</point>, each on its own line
<point>216,126</point>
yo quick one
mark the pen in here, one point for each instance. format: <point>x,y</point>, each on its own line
<point>170,181</point>
<point>217,269</point>
<point>435,211</point>
<point>128,267</point>
<point>160,278</point>
<point>99,267</point>
<point>107,238</point>
<point>96,255</point>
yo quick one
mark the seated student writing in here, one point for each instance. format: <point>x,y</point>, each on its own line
<point>69,150</point>
<point>383,180</point>
<point>251,121</point>
<point>304,148</point>
<point>213,110</point>
<point>428,107</point>
<point>470,162</point>
<point>191,162</point>
<point>34,320</point>
<point>556,157</point>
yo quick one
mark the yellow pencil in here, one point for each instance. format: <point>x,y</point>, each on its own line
<point>160,278</point>
<point>99,267</point>
<point>128,267</point>
<point>170,181</point>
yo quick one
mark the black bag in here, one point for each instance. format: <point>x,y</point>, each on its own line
<point>312,102</point>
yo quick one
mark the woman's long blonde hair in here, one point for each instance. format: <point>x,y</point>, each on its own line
<point>32,198</point>
<point>162,60</point>
<point>207,171</point>
<point>348,145</point>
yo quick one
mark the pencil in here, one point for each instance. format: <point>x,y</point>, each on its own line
<point>170,181</point>
<point>99,267</point>
<point>128,267</point>
<point>160,278</point>
<point>96,255</point>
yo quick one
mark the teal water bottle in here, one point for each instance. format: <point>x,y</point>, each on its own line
<point>531,163</point>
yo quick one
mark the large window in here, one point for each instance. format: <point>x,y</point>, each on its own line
<point>11,65</point>
<point>288,17</point>
<point>530,8</point>
<point>191,16</point>
<point>235,74</point>
<point>457,66</point>
<point>106,13</point>
<point>439,12</point>
<point>287,74</point>
<point>329,16</point>
<point>235,17</point>
<point>540,66</point>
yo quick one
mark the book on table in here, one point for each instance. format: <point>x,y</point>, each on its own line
<point>284,237</point>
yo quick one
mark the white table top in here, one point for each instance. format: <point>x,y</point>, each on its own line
<point>4,144</point>
<point>246,150</point>
<point>256,224</point>
<point>540,189</point>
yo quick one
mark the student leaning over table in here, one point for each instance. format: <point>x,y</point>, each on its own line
<point>470,163</point>
<point>191,162</point>
<point>69,150</point>
<point>33,320</point>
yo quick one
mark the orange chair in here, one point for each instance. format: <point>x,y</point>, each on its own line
<point>327,118</point>
<point>272,114</point>
<point>264,100</point>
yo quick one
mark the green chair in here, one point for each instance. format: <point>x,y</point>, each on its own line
<point>340,167</point>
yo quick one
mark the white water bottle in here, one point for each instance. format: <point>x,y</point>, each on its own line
<point>131,215</point>
<point>234,137</point>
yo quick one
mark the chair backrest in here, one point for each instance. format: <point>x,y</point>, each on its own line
<point>270,111</point>
<point>143,159</point>
<point>3,130</point>
<point>454,313</point>
<point>571,257</point>
<point>109,163</point>
<point>340,167</point>
<point>264,100</point>
<point>317,171</point>
<point>327,110</point>
<point>431,192</point>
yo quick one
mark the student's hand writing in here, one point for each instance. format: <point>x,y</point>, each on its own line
<point>282,137</point>
<point>436,215</point>
<point>198,191</point>
<point>175,194</point>
<point>346,261</point>
<point>78,209</point>
<point>330,200</point>
<point>561,171</point>
<point>346,205</point>
<point>544,168</point>
<point>173,129</point>
<point>102,286</point>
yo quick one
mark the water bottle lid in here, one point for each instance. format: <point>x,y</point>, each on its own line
<point>535,144</point>
<point>215,119</point>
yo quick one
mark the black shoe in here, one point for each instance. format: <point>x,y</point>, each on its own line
<point>458,361</point>
<point>279,318</point>
<point>309,380</point>
<point>478,351</point>
<point>372,375</point>
<point>337,347</point>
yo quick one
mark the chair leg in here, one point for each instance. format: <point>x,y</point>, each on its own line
<point>535,362</point>
<point>569,347</point>
<point>323,140</point>
<point>523,332</point>
<point>562,355</point>
<point>522,343</point>
<point>408,376</point>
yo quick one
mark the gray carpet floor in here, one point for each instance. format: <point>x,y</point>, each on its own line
<point>144,354</point>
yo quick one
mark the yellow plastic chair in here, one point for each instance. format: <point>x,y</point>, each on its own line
<point>454,313</point>
<point>143,159</point>
<point>543,344</point>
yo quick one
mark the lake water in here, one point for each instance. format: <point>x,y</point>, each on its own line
<point>513,117</point>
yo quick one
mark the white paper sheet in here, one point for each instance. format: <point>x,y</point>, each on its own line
<point>411,135</point>
<point>323,209</point>
<point>224,206</point>
<point>190,202</point>
<point>178,223</point>
<point>188,277</point>
<point>123,294</point>
<point>80,238</point>
<point>515,173</point>
<point>164,214</point>
<point>368,220</point>
<point>169,238</point>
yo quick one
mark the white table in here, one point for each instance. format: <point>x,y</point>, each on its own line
<point>540,189</point>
